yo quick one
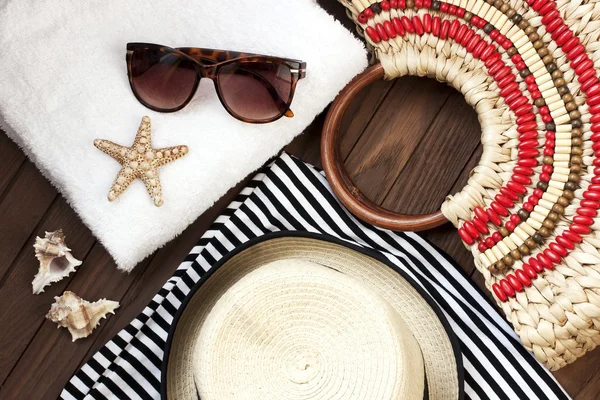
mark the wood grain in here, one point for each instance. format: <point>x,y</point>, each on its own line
<point>342,184</point>
<point>430,175</point>
<point>394,134</point>
<point>16,288</point>
<point>22,208</point>
<point>159,270</point>
<point>405,136</point>
<point>360,113</point>
<point>12,159</point>
<point>97,278</point>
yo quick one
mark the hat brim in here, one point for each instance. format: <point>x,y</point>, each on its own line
<point>438,343</point>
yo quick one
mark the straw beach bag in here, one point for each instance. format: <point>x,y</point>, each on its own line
<point>529,211</point>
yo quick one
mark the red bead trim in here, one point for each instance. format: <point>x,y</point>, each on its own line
<point>514,282</point>
<point>499,292</point>
<point>496,237</point>
<point>482,247</point>
<point>500,72</point>
<point>372,34</point>
<point>590,86</point>
<point>480,225</point>
<point>471,230</point>
<point>558,249</point>
<point>545,261</point>
<point>552,256</point>
<point>507,288</point>
<point>464,235</point>
<point>481,214</point>
<point>573,236</point>
<point>523,277</point>
<point>531,273</point>
<point>564,242</point>
<point>536,264</point>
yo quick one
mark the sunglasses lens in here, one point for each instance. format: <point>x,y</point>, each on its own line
<point>256,91</point>
<point>160,79</point>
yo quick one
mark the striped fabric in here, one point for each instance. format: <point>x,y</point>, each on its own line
<point>290,195</point>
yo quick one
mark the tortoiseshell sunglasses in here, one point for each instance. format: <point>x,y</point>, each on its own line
<point>252,87</point>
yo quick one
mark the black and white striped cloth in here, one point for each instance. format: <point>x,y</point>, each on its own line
<point>290,195</point>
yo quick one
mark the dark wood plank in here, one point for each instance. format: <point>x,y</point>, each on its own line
<point>133,291</point>
<point>357,117</point>
<point>445,237</point>
<point>450,142</point>
<point>306,146</point>
<point>434,166</point>
<point>97,278</point>
<point>20,212</point>
<point>580,379</point>
<point>161,268</point>
<point>360,113</point>
<point>16,288</point>
<point>338,11</point>
<point>11,159</point>
<point>394,133</point>
<point>37,359</point>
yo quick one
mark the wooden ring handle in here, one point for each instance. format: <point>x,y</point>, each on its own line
<point>338,178</point>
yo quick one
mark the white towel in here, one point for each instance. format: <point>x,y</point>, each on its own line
<point>63,83</point>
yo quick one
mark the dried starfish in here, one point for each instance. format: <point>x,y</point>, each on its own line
<point>140,161</point>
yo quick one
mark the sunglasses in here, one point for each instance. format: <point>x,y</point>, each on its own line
<point>252,88</point>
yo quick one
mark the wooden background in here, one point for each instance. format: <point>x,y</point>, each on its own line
<point>408,144</point>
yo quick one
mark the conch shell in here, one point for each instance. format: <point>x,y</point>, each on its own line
<point>56,260</point>
<point>79,316</point>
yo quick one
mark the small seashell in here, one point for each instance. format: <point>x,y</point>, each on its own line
<point>79,316</point>
<point>56,260</point>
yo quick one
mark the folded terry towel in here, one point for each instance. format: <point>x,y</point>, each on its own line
<point>63,83</point>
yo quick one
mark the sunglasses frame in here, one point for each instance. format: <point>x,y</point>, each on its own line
<point>208,64</point>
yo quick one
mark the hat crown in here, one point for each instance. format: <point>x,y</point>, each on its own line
<point>296,329</point>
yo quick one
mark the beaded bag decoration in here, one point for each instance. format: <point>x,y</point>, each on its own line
<point>529,210</point>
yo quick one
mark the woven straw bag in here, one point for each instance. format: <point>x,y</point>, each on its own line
<point>528,212</point>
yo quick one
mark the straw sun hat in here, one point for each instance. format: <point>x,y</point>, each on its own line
<point>299,317</point>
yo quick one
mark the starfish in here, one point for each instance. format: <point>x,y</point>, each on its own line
<point>140,160</point>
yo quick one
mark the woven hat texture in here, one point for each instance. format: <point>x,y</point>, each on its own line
<point>528,212</point>
<point>300,318</point>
